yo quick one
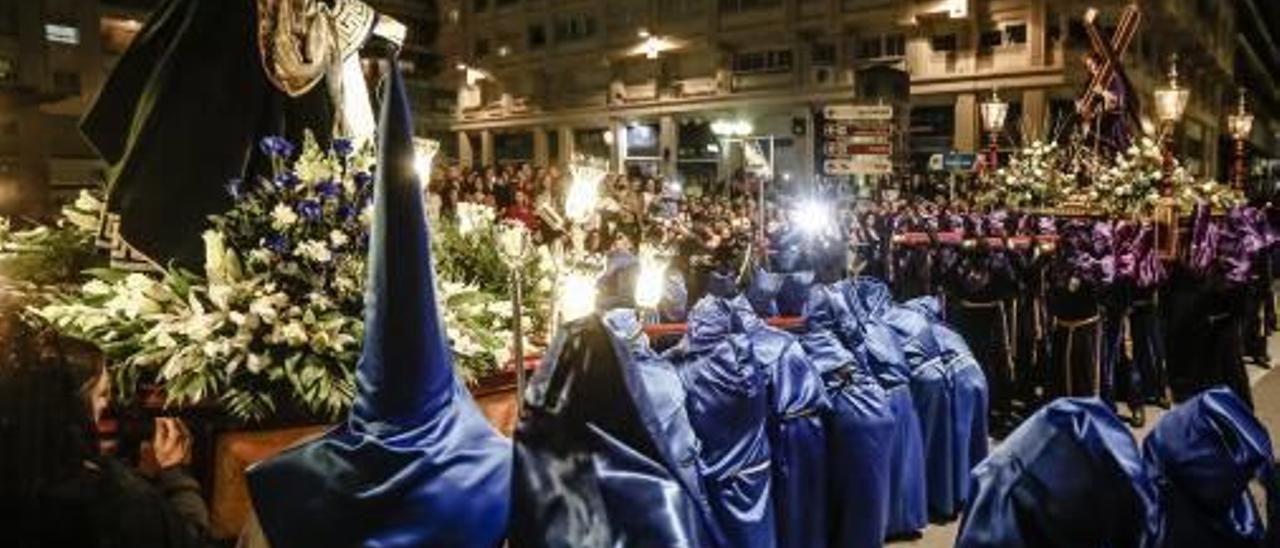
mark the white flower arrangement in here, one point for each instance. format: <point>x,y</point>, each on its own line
<point>1037,176</point>
<point>1132,185</point>
<point>277,313</point>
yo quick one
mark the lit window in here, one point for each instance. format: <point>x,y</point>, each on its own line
<point>62,34</point>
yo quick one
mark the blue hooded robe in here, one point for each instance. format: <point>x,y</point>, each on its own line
<point>876,341</point>
<point>415,463</point>
<point>859,429</point>
<point>954,450</point>
<point>605,455</point>
<point>797,404</point>
<point>1070,476</point>
<point>1202,454</point>
<point>728,406</point>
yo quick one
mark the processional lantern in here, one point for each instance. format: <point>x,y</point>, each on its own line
<point>514,246</point>
<point>994,113</point>
<point>1240,124</point>
<point>1172,98</point>
<point>1171,105</point>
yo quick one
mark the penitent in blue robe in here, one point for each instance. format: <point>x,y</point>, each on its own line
<point>728,407</point>
<point>605,454</point>
<point>1202,455</point>
<point>762,292</point>
<point>950,394</point>
<point>797,404</point>
<point>793,292</point>
<point>415,463</point>
<point>885,357</point>
<point>859,428</point>
<point>1069,476</point>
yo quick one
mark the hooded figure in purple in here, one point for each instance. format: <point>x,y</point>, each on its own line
<point>415,463</point>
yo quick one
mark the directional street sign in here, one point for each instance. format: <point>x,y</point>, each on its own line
<point>857,139</point>
<point>859,112</point>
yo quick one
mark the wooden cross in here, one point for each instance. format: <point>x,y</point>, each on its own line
<point>1108,54</point>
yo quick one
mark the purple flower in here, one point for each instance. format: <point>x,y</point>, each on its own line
<point>328,189</point>
<point>363,179</point>
<point>278,147</point>
<point>343,147</point>
<point>346,212</point>
<point>278,243</point>
<point>309,210</point>
<point>234,188</point>
<point>286,180</point>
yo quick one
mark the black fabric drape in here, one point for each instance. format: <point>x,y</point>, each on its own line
<point>181,115</point>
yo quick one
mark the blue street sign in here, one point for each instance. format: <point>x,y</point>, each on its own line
<point>960,161</point>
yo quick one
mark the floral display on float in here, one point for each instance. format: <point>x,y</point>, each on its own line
<point>277,315</point>
<point>1036,177</point>
<point>46,258</point>
<point>1048,176</point>
<point>1219,196</point>
<point>1130,186</point>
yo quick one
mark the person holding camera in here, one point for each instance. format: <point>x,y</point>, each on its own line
<point>56,489</point>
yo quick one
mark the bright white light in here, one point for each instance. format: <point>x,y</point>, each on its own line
<point>654,46</point>
<point>584,193</point>
<point>424,155</point>
<point>62,34</point>
<point>814,219</point>
<point>732,128</point>
<point>577,297</point>
<point>652,280</point>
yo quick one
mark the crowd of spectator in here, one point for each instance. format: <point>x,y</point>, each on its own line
<point>634,210</point>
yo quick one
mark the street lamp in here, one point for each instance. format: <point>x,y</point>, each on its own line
<point>1241,125</point>
<point>1171,104</point>
<point>994,112</point>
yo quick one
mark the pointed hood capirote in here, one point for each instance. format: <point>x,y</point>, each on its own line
<point>406,369</point>
<point>416,464</point>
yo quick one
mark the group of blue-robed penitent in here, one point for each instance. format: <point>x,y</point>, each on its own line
<point>857,428</point>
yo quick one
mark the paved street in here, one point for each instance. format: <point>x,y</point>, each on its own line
<point>1266,396</point>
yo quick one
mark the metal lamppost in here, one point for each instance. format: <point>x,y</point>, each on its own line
<point>1241,125</point>
<point>994,112</point>
<point>1171,105</point>
<point>513,244</point>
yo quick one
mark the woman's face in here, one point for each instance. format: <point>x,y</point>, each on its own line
<point>99,395</point>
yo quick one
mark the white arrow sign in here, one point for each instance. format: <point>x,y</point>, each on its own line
<point>859,112</point>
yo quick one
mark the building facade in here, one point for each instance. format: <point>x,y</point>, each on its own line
<point>1258,71</point>
<point>55,55</point>
<point>642,82</point>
